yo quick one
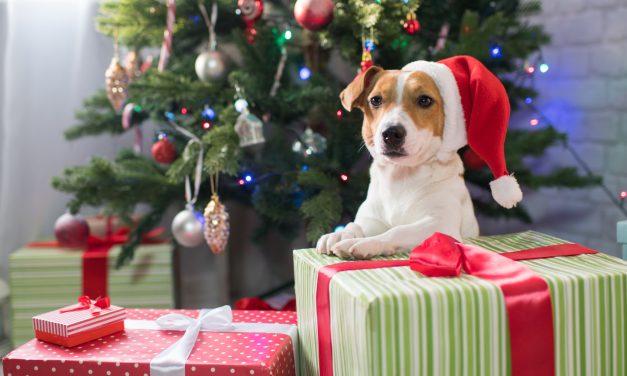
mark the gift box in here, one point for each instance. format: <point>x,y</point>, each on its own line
<point>42,275</point>
<point>382,317</point>
<point>253,343</point>
<point>621,235</point>
<point>79,323</point>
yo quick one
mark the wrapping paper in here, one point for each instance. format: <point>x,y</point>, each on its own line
<point>41,278</point>
<point>394,321</point>
<point>130,352</point>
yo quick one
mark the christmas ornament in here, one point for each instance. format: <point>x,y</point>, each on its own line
<point>279,72</point>
<point>163,151</point>
<point>211,65</point>
<point>366,60</point>
<point>71,231</point>
<point>310,143</point>
<point>248,126</point>
<point>313,14</point>
<point>166,46</point>
<point>217,227</point>
<point>411,25</point>
<point>250,11</point>
<point>187,228</point>
<point>132,65</point>
<point>442,37</point>
<point>116,83</point>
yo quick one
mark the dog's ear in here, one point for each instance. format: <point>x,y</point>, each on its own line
<point>353,95</point>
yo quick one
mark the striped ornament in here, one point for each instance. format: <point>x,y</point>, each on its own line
<point>394,321</point>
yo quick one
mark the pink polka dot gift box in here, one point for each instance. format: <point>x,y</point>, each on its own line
<point>173,343</point>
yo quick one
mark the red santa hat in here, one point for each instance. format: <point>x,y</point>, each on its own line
<point>476,112</point>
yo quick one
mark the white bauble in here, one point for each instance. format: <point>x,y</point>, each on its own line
<point>187,229</point>
<point>211,66</point>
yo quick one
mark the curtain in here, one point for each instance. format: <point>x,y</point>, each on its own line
<point>51,59</point>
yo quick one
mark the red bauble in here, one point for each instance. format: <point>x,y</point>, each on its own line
<point>472,160</point>
<point>71,231</point>
<point>313,14</point>
<point>411,26</point>
<point>365,64</point>
<point>163,151</point>
<point>250,10</point>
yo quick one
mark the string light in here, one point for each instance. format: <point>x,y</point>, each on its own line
<point>138,108</point>
<point>206,125</point>
<point>248,178</point>
<point>339,114</point>
<point>369,45</point>
<point>304,73</point>
<point>544,67</point>
<point>531,69</point>
<point>241,104</point>
<point>529,100</point>
<point>288,34</point>
<point>305,168</point>
<point>184,110</point>
<point>623,195</point>
<point>241,182</point>
<point>533,122</point>
<point>161,136</point>
<point>495,51</point>
<point>169,115</point>
<point>209,113</point>
<point>339,228</point>
<point>344,177</point>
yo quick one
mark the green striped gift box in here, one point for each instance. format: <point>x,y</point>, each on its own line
<point>394,321</point>
<point>45,279</point>
<point>621,236</point>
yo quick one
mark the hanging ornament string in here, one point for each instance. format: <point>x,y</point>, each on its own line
<point>210,22</point>
<point>166,47</point>
<point>279,72</point>
<point>127,117</point>
<point>191,197</point>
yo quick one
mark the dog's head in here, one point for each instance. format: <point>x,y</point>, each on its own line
<point>403,114</point>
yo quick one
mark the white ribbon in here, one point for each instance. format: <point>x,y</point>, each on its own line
<point>171,361</point>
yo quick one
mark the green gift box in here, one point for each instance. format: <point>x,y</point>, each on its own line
<point>43,279</point>
<point>394,321</point>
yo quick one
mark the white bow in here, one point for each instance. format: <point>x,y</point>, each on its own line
<point>171,361</point>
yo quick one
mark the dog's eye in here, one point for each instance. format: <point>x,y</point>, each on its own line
<point>424,101</point>
<point>376,101</point>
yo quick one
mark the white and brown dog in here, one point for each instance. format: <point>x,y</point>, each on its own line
<point>413,126</point>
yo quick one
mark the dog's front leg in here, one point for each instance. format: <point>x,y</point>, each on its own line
<point>398,239</point>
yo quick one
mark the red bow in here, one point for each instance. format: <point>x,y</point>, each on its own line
<point>84,302</point>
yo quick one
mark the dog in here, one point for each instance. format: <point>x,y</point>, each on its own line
<point>412,192</point>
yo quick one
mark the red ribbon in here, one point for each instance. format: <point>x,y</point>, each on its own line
<point>84,302</point>
<point>95,269</point>
<point>527,296</point>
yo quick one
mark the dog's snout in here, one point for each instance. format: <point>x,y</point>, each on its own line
<point>394,136</point>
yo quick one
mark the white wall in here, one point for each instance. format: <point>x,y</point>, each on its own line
<point>585,94</point>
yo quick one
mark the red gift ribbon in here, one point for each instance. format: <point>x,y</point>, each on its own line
<point>527,296</point>
<point>95,270</point>
<point>84,302</point>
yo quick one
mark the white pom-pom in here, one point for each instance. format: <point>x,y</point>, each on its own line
<point>506,191</point>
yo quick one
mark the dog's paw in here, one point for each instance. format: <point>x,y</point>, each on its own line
<point>326,242</point>
<point>364,248</point>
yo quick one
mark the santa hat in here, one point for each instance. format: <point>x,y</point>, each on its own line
<point>476,112</point>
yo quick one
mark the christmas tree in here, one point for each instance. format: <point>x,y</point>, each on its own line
<point>246,97</point>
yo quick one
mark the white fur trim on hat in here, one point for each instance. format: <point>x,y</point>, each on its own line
<point>454,134</point>
<point>506,191</point>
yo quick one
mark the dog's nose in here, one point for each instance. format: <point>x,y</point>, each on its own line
<point>394,136</point>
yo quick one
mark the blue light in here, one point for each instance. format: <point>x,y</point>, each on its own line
<point>248,178</point>
<point>529,100</point>
<point>339,228</point>
<point>496,52</point>
<point>169,115</point>
<point>369,45</point>
<point>304,73</point>
<point>209,113</point>
<point>305,168</point>
<point>544,67</point>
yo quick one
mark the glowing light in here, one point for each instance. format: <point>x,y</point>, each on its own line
<point>531,69</point>
<point>533,122</point>
<point>162,136</point>
<point>184,110</point>
<point>496,52</point>
<point>529,100</point>
<point>623,195</point>
<point>304,73</point>
<point>206,125</point>
<point>288,34</point>
<point>339,114</point>
<point>169,115</point>
<point>544,68</point>
<point>241,104</point>
<point>369,45</point>
<point>209,113</point>
<point>305,168</point>
<point>138,108</point>
<point>344,177</point>
<point>241,182</point>
<point>248,178</point>
<point>339,228</point>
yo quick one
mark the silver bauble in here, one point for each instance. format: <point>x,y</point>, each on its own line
<point>187,229</point>
<point>312,143</point>
<point>211,66</point>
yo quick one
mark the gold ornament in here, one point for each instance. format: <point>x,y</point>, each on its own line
<point>217,227</point>
<point>116,84</point>
<point>132,65</point>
